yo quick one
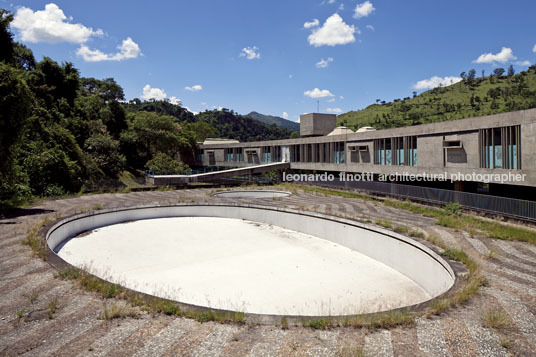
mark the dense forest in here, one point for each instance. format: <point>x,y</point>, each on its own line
<point>60,132</point>
<point>227,123</point>
<point>501,91</point>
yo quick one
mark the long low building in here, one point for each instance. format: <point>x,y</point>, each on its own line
<point>493,154</point>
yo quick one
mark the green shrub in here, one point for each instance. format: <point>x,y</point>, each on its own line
<point>453,208</point>
<point>163,164</point>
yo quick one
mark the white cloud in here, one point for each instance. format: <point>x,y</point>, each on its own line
<point>250,53</point>
<point>534,49</point>
<point>49,25</point>
<point>331,100</point>
<point>285,115</point>
<point>194,88</point>
<point>523,63</point>
<point>153,93</point>
<point>341,97</point>
<point>317,93</point>
<point>331,1</point>
<point>159,94</point>
<point>175,100</point>
<point>363,10</point>
<point>323,63</point>
<point>190,110</point>
<point>334,32</point>
<point>502,57</point>
<point>127,49</point>
<point>436,81</point>
<point>310,24</point>
<point>370,27</point>
<point>334,110</point>
<point>341,7</point>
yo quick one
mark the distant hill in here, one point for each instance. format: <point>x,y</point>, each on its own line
<point>469,98</point>
<point>227,123</point>
<point>270,119</point>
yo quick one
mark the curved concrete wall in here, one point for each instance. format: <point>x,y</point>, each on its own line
<point>407,256</point>
<point>252,194</point>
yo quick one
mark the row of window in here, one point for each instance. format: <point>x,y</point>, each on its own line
<point>233,155</point>
<point>499,148</point>
<point>271,153</point>
<point>396,151</point>
<point>317,153</point>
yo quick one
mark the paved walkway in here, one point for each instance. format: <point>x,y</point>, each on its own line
<point>28,287</point>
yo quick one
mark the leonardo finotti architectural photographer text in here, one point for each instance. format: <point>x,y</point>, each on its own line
<point>405,176</point>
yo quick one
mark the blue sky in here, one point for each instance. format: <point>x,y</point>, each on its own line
<point>259,55</point>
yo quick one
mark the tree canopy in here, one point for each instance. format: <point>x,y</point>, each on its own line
<point>60,131</point>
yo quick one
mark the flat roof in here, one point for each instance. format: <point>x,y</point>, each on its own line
<point>449,126</point>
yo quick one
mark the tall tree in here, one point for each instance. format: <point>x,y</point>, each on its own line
<point>158,133</point>
<point>471,75</point>
<point>16,102</point>
<point>6,38</point>
<point>511,71</point>
<point>498,71</point>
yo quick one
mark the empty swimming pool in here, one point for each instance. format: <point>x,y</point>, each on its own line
<point>253,259</point>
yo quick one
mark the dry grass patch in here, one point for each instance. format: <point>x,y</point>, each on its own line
<point>496,319</point>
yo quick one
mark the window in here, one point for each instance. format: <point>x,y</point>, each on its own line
<point>500,147</point>
<point>339,157</point>
<point>309,152</point>
<point>452,144</point>
<point>228,154</point>
<point>382,151</point>
<point>295,153</point>
<point>396,151</point>
<point>411,150</point>
<point>238,154</point>
<point>266,154</point>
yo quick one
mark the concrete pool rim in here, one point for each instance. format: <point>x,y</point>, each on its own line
<point>279,193</point>
<point>58,263</point>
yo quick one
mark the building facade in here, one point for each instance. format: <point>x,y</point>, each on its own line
<point>480,150</point>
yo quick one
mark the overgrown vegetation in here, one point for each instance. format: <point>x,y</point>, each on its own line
<point>381,320</point>
<point>496,319</point>
<point>351,351</point>
<point>118,311</point>
<point>497,93</point>
<point>146,303</point>
<point>450,216</point>
<point>471,224</point>
<point>35,241</point>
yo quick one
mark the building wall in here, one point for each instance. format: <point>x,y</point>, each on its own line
<point>467,156</point>
<point>431,157</point>
<point>316,124</point>
<point>528,147</point>
<point>430,151</point>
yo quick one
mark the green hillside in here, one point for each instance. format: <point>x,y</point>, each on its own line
<point>471,97</point>
<point>278,121</point>
<point>224,123</point>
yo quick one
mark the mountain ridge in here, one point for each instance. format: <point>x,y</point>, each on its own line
<point>271,119</point>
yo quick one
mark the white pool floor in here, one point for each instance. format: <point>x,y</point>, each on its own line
<point>241,265</point>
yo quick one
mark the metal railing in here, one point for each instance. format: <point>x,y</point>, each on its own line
<point>511,207</point>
